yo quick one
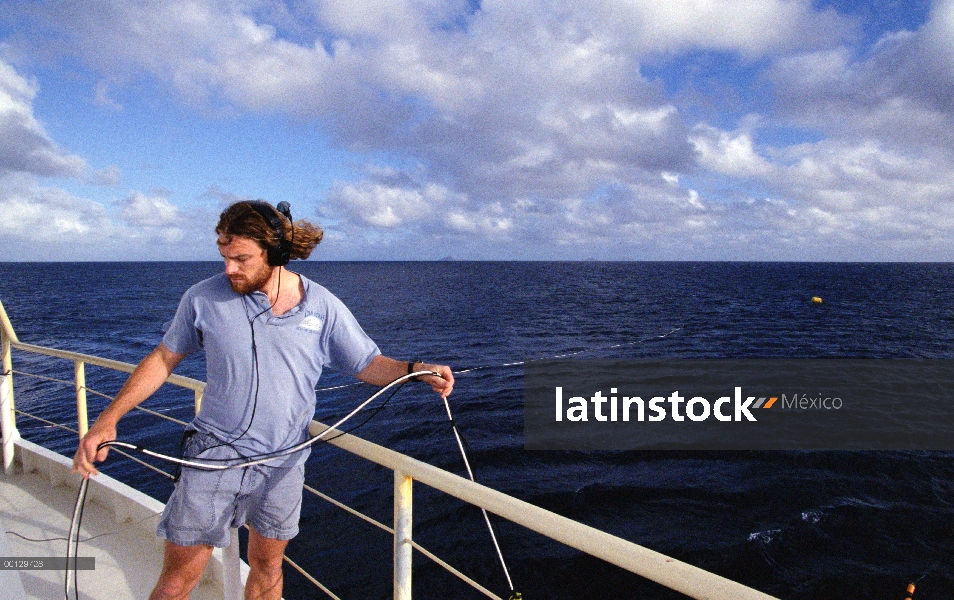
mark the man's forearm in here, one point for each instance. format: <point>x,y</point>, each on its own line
<point>148,376</point>
<point>383,370</point>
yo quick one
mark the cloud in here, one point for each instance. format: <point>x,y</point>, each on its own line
<point>222,198</point>
<point>751,28</point>
<point>524,98</point>
<point>48,223</point>
<point>102,97</point>
<point>48,215</point>
<point>835,194</point>
<point>528,128</point>
<point>149,211</point>
<point>24,145</point>
<point>732,154</point>
<point>877,180</point>
<point>109,177</point>
<point>902,92</point>
<point>652,216</point>
<point>395,200</point>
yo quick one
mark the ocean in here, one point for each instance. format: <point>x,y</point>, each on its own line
<point>794,524</point>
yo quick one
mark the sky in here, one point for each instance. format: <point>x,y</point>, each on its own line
<point>497,130</point>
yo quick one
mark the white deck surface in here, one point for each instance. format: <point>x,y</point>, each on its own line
<point>36,501</point>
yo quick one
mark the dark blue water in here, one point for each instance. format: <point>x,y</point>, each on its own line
<point>792,524</point>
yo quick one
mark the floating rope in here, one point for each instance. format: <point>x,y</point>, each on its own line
<point>523,362</point>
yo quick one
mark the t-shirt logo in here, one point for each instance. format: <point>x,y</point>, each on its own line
<point>311,323</point>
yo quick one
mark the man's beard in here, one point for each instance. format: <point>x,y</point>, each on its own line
<point>253,283</point>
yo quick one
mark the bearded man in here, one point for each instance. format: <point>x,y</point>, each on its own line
<point>267,334</point>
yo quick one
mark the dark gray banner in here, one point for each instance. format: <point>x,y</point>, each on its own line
<point>811,404</point>
<point>46,563</point>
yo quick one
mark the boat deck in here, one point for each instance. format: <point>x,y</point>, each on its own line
<point>118,530</point>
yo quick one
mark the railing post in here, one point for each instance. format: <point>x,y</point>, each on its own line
<point>7,362</point>
<point>198,400</point>
<point>7,426</point>
<point>82,419</point>
<point>8,422</point>
<point>403,551</point>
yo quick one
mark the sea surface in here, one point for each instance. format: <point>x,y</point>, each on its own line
<point>810,525</point>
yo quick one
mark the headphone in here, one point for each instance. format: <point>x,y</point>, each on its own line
<point>279,254</point>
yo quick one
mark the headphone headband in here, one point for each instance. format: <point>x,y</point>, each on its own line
<point>279,254</point>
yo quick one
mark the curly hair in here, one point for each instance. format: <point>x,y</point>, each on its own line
<point>241,220</point>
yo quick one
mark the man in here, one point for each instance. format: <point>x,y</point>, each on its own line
<point>267,333</point>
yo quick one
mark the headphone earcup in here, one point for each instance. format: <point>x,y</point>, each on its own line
<point>279,254</point>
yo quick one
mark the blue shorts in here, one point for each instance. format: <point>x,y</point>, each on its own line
<point>205,504</point>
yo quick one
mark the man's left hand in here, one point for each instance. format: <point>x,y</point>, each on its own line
<point>444,384</point>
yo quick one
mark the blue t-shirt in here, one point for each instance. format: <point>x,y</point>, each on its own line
<point>291,350</point>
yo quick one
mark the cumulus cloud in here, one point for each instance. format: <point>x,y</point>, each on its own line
<point>395,200</point>
<point>835,193</point>
<point>221,197</point>
<point>25,146</point>
<point>651,216</point>
<point>543,98</point>
<point>749,27</point>
<point>141,210</point>
<point>532,125</point>
<point>902,92</point>
<point>34,213</point>
<point>48,223</point>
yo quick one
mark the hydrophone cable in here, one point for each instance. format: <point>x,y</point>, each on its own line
<point>72,544</point>
<point>73,540</point>
<point>232,463</point>
<point>490,527</point>
<point>211,464</point>
<point>82,541</point>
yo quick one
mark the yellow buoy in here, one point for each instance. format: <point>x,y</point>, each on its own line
<point>816,300</point>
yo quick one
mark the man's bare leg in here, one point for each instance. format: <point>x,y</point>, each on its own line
<point>265,567</point>
<point>182,567</point>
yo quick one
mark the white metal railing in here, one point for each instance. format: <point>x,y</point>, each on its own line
<point>672,573</point>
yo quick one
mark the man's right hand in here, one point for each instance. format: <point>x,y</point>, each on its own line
<point>149,374</point>
<point>87,452</point>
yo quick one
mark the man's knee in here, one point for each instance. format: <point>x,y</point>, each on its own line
<point>266,564</point>
<point>173,586</point>
<point>265,554</point>
<point>181,570</point>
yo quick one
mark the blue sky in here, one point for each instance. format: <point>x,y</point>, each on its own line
<point>507,130</point>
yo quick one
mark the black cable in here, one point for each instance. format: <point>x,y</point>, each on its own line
<point>398,383</point>
<point>373,414</point>
<point>240,460</point>
<point>63,539</point>
<point>257,376</point>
